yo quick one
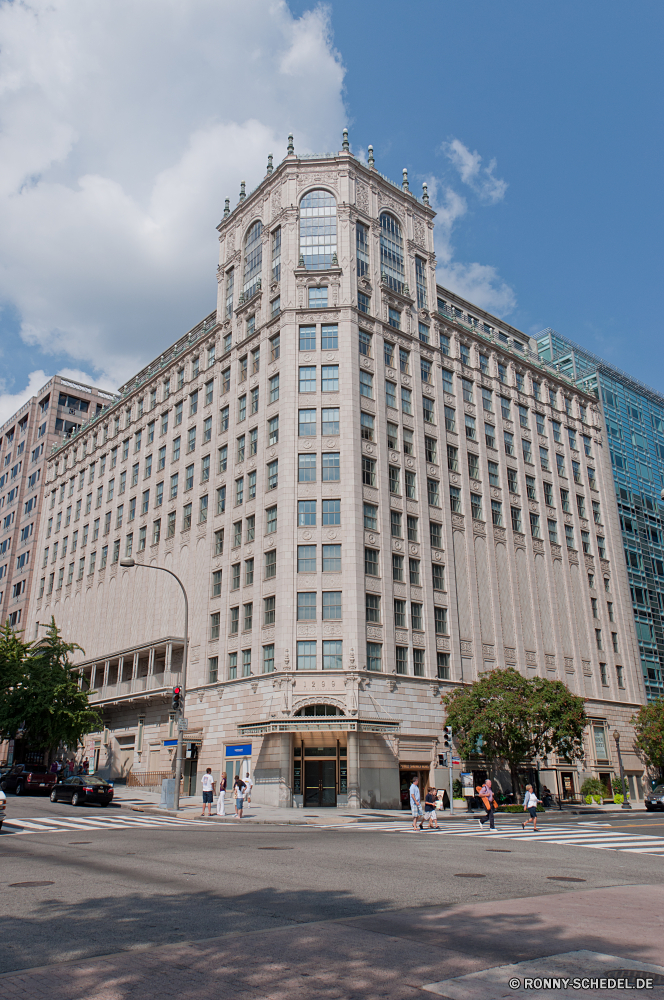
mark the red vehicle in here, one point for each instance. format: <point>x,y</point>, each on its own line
<point>29,778</point>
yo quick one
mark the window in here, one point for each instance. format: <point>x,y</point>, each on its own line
<point>191,439</point>
<point>270,520</point>
<point>435,535</point>
<point>318,230</point>
<point>560,464</point>
<point>275,347</point>
<point>444,341</point>
<point>421,283</point>
<point>219,542</point>
<point>515,513</point>
<point>306,656</point>
<point>306,558</point>
<point>527,451</point>
<point>331,559</point>
<point>424,332</point>
<point>221,499</point>
<point>433,495</point>
<point>270,565</point>
<point>366,426</point>
<point>330,378</point>
<point>186,517</point>
<point>416,616</point>
<point>232,666</point>
<point>571,436</point>
<point>455,499</point>
<point>505,408</point>
<point>331,467</point>
<point>273,431</point>
<point>317,298</point>
<point>601,547</point>
<point>234,626</point>
<point>553,531</point>
<point>502,372</point>
<point>476,506</point>
<point>509,443</point>
<point>371,562</point>
<point>564,499</point>
<point>170,526</point>
<point>597,515</point>
<point>269,610</point>
<point>425,371</point>
<point>414,571</point>
<point>307,381</point>
<point>273,474</point>
<point>592,482</point>
<point>569,536</point>
<point>544,461</point>
<point>598,638</point>
<point>448,382</point>
<point>391,394</point>
<point>539,420</point>
<point>428,410</point>
<point>306,469</point>
<point>332,604</point>
<point>438,577</point>
<point>497,513</point>
<point>242,408</point>
<point>450,415</point>
<point>370,517</point>
<point>534,525</point>
<point>248,616</point>
<point>374,656</point>
<point>366,385</point>
<point>235,578</point>
<point>368,471</point>
<point>395,524</point>
<point>253,261</point>
<point>394,473</point>
<point>473,465</point>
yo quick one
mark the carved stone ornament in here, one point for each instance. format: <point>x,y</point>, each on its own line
<point>443,644</point>
<point>454,479</point>
<point>499,533</point>
<point>531,658</point>
<point>466,647</point>
<point>332,535</point>
<point>496,493</point>
<point>398,546</point>
<point>458,521</point>
<point>510,654</point>
<point>437,555</point>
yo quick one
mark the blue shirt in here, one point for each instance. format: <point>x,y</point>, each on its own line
<point>414,794</point>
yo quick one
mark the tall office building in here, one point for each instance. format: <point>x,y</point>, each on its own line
<point>634,424</point>
<point>372,491</point>
<point>26,442</point>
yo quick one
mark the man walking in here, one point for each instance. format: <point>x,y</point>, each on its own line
<point>415,803</point>
<point>249,785</point>
<point>207,784</point>
<point>485,792</point>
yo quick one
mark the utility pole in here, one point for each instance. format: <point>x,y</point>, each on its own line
<point>447,747</point>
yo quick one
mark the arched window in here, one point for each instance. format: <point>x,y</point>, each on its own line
<point>318,230</point>
<point>319,710</point>
<point>391,252</point>
<point>253,260</point>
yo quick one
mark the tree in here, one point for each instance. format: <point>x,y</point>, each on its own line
<point>649,727</point>
<point>504,716</point>
<point>42,701</point>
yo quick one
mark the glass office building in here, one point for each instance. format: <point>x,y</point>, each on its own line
<point>634,416</point>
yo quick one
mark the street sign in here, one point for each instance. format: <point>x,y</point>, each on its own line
<point>238,750</point>
<point>183,724</point>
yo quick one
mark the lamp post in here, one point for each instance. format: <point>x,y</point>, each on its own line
<point>625,804</point>
<point>129,564</point>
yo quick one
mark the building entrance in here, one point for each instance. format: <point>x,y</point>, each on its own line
<point>320,783</point>
<point>406,775</point>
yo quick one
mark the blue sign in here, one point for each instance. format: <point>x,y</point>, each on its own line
<point>170,743</point>
<point>238,750</point>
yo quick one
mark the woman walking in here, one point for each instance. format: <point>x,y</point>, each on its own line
<point>238,794</point>
<point>221,804</point>
<point>530,801</point>
<point>430,803</point>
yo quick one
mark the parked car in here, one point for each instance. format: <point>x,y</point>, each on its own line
<point>28,778</point>
<point>83,788</point>
<point>3,807</point>
<point>655,798</point>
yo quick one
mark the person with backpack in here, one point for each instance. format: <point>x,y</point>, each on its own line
<point>239,788</point>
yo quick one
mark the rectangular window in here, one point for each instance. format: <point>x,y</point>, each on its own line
<point>270,565</point>
<point>534,525</point>
<point>476,506</point>
<point>394,480</point>
<point>509,443</point>
<point>306,423</point>
<point>306,558</point>
<point>418,662</point>
<point>330,378</point>
<point>219,542</point>
<point>370,517</point>
<point>186,517</point>
<point>366,385</point>
<point>428,410</point>
<point>170,526</point>
<point>273,431</point>
<point>448,381</point>
<point>406,400</point>
<point>307,378</point>
<point>371,562</point>
<point>444,342</point>
<point>527,451</point>
<point>402,659</point>
<point>414,571</point>
<point>269,610</point>
<point>505,408</point>
<point>331,512</point>
<point>435,535</point>
<point>317,298</point>
<point>569,536</point>
<point>433,495</point>
<point>331,604</point>
<point>248,616</point>
<point>306,468</point>
<point>553,531</point>
<point>515,513</point>
<point>455,499</point>
<point>416,616</point>
<point>438,577</point>
<point>394,318</point>
<point>368,471</point>
<point>306,656</point>
<point>331,559</point>
<point>395,524</point>
<point>473,465</point>
<point>391,394</point>
<point>560,464</point>
<point>331,467</point>
<point>234,626</point>
<point>372,607</point>
<point>273,474</point>
<point>497,513</point>
<point>374,656</point>
<point>270,520</point>
<point>221,499</point>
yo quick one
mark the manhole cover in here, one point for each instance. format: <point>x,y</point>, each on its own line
<point>20,885</point>
<point>469,875</point>
<point>564,878</point>
<point>274,848</point>
<point>498,850</point>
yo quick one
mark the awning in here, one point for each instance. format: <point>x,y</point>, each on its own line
<point>320,724</point>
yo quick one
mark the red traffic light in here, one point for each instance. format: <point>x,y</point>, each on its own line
<point>177,690</point>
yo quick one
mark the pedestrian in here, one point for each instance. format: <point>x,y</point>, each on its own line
<point>54,767</point>
<point>430,802</point>
<point>207,784</point>
<point>416,803</point>
<point>249,783</point>
<point>485,792</point>
<point>238,794</point>
<point>221,801</point>
<point>530,801</point>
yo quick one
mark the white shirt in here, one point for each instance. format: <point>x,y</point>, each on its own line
<point>531,800</point>
<point>249,783</point>
<point>207,782</point>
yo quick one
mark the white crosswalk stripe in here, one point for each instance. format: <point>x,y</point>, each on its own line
<point>84,824</point>
<point>606,838</point>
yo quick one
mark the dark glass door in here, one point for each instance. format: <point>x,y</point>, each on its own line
<point>320,788</point>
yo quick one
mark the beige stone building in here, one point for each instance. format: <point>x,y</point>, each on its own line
<point>26,442</point>
<point>372,491</point>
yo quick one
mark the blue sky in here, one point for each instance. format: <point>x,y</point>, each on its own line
<point>537,127</point>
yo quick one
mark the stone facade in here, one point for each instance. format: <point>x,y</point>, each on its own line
<point>350,533</point>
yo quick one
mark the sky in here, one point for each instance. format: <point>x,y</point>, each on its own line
<point>124,125</point>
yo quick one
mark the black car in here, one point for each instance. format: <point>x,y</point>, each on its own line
<point>655,798</point>
<point>80,789</point>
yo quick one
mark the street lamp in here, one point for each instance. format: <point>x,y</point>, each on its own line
<point>625,804</point>
<point>129,564</point>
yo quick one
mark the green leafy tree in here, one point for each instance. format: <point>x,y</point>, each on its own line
<point>506,717</point>
<point>42,702</point>
<point>649,728</point>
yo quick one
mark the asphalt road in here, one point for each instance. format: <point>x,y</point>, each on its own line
<point>110,890</point>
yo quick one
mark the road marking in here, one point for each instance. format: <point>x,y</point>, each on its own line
<point>51,824</point>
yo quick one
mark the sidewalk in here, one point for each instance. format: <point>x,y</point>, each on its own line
<point>141,800</point>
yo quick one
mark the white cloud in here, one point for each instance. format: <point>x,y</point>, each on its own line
<point>10,402</point>
<point>480,179</point>
<point>123,127</point>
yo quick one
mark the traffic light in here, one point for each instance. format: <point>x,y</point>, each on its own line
<point>177,693</point>
<point>447,738</point>
<point>442,760</point>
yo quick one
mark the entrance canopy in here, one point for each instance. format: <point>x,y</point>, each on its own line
<point>320,724</point>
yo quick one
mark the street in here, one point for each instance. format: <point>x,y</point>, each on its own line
<point>369,906</point>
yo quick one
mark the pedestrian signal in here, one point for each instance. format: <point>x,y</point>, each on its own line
<point>442,760</point>
<point>177,694</point>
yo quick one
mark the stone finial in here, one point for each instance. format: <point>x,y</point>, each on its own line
<point>371,156</point>
<point>243,192</point>
<point>270,166</point>
<point>227,208</point>
<point>345,145</point>
<point>425,193</point>
<point>291,147</point>
<point>300,262</point>
<point>404,183</point>
<point>406,290</point>
<point>335,259</point>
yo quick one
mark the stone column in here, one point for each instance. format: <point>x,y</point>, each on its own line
<point>353,771</point>
<point>285,771</point>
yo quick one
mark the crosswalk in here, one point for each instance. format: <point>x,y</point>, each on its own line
<point>599,836</point>
<point>81,824</point>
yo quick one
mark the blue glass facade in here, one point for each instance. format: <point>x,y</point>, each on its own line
<point>634,415</point>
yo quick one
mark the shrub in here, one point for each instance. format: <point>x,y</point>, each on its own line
<point>616,784</point>
<point>457,788</point>
<point>516,809</point>
<point>592,787</point>
<point>618,799</point>
<point>589,799</point>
